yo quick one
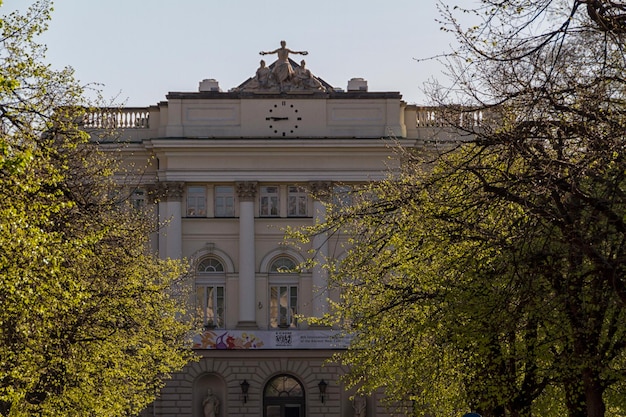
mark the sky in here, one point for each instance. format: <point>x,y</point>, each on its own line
<point>136,51</point>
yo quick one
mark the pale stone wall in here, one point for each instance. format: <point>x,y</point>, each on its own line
<point>213,138</point>
<point>223,372</point>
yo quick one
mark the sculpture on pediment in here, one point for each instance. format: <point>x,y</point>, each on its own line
<point>303,79</point>
<point>284,75</point>
<point>282,68</point>
<point>263,75</point>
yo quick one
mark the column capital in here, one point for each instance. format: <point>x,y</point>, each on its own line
<point>320,190</point>
<point>246,190</point>
<point>166,191</point>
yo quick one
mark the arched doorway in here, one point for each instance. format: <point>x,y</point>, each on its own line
<point>283,396</point>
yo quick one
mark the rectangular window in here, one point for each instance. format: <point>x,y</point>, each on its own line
<point>297,201</point>
<point>138,199</point>
<point>210,305</point>
<point>196,201</point>
<point>283,306</point>
<point>342,196</point>
<point>269,201</point>
<point>224,201</point>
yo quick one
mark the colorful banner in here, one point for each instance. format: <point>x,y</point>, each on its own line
<point>270,339</point>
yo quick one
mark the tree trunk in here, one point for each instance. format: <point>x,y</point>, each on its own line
<point>593,393</point>
<point>584,397</point>
<point>575,399</point>
<point>497,411</point>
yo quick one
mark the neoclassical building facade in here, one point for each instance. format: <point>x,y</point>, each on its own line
<point>226,173</point>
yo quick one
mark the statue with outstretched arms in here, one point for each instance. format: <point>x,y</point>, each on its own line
<point>282,69</point>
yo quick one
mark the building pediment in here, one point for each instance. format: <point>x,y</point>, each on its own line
<point>284,77</point>
<point>282,100</point>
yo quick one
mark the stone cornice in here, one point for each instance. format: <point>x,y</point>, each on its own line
<point>235,95</point>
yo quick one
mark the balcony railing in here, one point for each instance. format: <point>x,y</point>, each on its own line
<point>448,117</point>
<point>426,117</point>
<point>118,118</point>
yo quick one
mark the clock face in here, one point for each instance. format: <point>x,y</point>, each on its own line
<point>283,119</point>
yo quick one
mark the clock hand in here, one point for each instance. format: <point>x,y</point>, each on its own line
<point>277,118</point>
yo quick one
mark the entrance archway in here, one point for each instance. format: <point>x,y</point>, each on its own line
<point>283,396</point>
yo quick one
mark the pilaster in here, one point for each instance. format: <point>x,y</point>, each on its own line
<point>246,191</point>
<point>320,191</point>
<point>169,195</point>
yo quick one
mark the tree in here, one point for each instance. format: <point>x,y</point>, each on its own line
<point>555,72</point>
<point>492,277</point>
<point>438,311</point>
<point>91,320</point>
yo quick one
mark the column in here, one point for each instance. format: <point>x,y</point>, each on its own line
<point>169,196</point>
<point>320,191</point>
<point>246,191</point>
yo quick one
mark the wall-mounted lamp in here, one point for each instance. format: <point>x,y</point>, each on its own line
<point>322,386</point>
<point>244,390</point>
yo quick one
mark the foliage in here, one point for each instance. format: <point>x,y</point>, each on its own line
<point>432,304</point>
<point>491,277</point>
<point>89,322</point>
<point>549,76</point>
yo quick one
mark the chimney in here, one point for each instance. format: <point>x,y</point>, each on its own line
<point>209,85</point>
<point>357,84</point>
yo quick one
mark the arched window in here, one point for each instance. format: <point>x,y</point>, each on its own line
<point>210,292</point>
<point>283,264</point>
<point>284,281</point>
<point>209,265</point>
<point>283,396</point>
